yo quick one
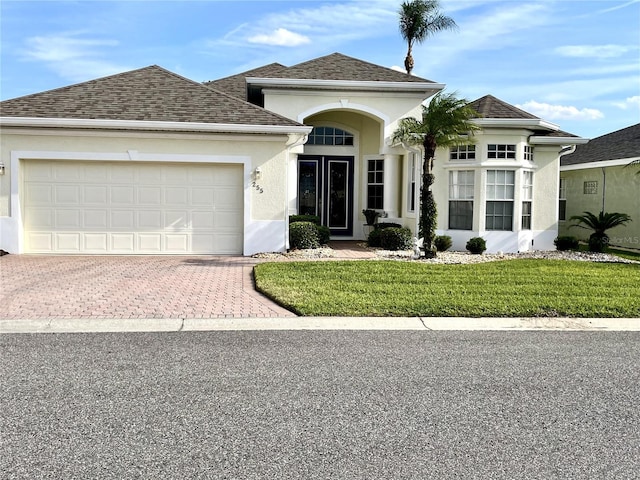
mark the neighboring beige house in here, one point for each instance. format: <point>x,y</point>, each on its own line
<point>149,162</point>
<point>597,177</point>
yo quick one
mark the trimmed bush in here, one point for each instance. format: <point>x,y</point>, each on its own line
<point>304,218</point>
<point>373,240</point>
<point>324,234</point>
<point>393,238</point>
<point>442,243</point>
<point>566,242</point>
<point>476,245</point>
<point>383,225</point>
<point>303,235</point>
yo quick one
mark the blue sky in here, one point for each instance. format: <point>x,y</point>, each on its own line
<point>572,62</point>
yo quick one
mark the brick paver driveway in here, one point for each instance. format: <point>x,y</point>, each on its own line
<point>130,287</point>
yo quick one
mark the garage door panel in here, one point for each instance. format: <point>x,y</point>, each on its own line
<point>96,242</point>
<point>95,219</point>
<point>122,220</point>
<point>141,208</point>
<point>37,194</point>
<point>67,242</point>
<point>149,195</point>
<point>123,195</point>
<point>150,220</point>
<point>96,195</point>
<point>67,219</point>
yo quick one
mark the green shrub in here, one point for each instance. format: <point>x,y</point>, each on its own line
<point>476,245</point>
<point>383,225</point>
<point>394,238</point>
<point>442,243</point>
<point>373,240</point>
<point>324,234</point>
<point>303,235</point>
<point>566,242</point>
<point>304,218</point>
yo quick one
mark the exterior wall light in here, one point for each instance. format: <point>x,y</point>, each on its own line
<point>1,168</point>
<point>257,173</point>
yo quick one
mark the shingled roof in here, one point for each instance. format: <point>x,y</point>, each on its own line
<point>492,107</point>
<point>148,94</point>
<point>621,144</point>
<point>335,66</point>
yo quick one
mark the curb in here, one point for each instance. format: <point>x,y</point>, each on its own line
<point>90,325</point>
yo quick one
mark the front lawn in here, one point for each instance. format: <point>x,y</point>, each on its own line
<point>523,287</point>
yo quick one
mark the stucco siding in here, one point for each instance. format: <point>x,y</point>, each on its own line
<point>616,188</point>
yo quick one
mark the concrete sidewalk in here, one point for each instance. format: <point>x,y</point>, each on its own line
<point>84,325</point>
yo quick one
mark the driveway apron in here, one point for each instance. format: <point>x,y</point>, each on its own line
<point>33,286</point>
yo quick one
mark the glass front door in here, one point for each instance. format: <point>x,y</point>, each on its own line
<point>325,188</point>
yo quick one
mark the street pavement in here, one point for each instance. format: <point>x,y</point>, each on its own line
<point>333,404</point>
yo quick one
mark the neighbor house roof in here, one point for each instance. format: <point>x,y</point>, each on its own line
<point>621,144</point>
<point>334,67</point>
<point>150,94</point>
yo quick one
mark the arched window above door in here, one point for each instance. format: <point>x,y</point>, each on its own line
<point>330,136</point>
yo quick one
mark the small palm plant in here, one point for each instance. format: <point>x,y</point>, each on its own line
<point>598,240</point>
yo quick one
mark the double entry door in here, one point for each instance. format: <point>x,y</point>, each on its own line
<point>325,189</point>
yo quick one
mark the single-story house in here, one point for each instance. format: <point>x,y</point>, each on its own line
<point>598,177</point>
<point>150,162</point>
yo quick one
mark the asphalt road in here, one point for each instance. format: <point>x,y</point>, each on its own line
<point>321,405</point>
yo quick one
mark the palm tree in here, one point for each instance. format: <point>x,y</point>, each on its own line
<point>418,20</point>
<point>598,240</point>
<point>447,121</point>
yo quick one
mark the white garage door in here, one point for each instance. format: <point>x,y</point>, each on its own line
<point>132,208</point>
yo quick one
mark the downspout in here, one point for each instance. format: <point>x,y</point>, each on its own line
<point>294,140</point>
<point>604,186</point>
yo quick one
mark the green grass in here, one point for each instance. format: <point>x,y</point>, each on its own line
<point>524,287</point>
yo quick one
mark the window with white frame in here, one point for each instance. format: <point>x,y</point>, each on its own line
<point>411,191</point>
<point>527,199</point>
<point>330,136</point>
<point>528,153</point>
<point>501,151</point>
<point>462,152</point>
<point>500,196</point>
<point>375,184</point>
<point>562,200</point>
<point>461,190</point>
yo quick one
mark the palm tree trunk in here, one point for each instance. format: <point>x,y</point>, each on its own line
<point>428,209</point>
<point>408,61</point>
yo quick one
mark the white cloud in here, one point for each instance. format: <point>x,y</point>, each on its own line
<point>560,112</point>
<point>73,58</point>
<point>280,37</point>
<point>630,102</point>
<point>593,51</point>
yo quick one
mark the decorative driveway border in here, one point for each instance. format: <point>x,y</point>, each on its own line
<point>131,287</point>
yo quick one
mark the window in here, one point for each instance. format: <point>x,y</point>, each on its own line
<point>463,152</point>
<point>527,197</point>
<point>330,136</point>
<point>528,153</point>
<point>411,191</point>
<point>501,151</point>
<point>375,184</point>
<point>590,188</point>
<point>500,192</point>
<point>461,187</point>
<point>562,201</point>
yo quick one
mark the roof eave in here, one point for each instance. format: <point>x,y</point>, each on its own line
<point>346,84</point>
<point>549,140</point>
<point>620,162</point>
<point>36,122</point>
<point>535,123</point>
